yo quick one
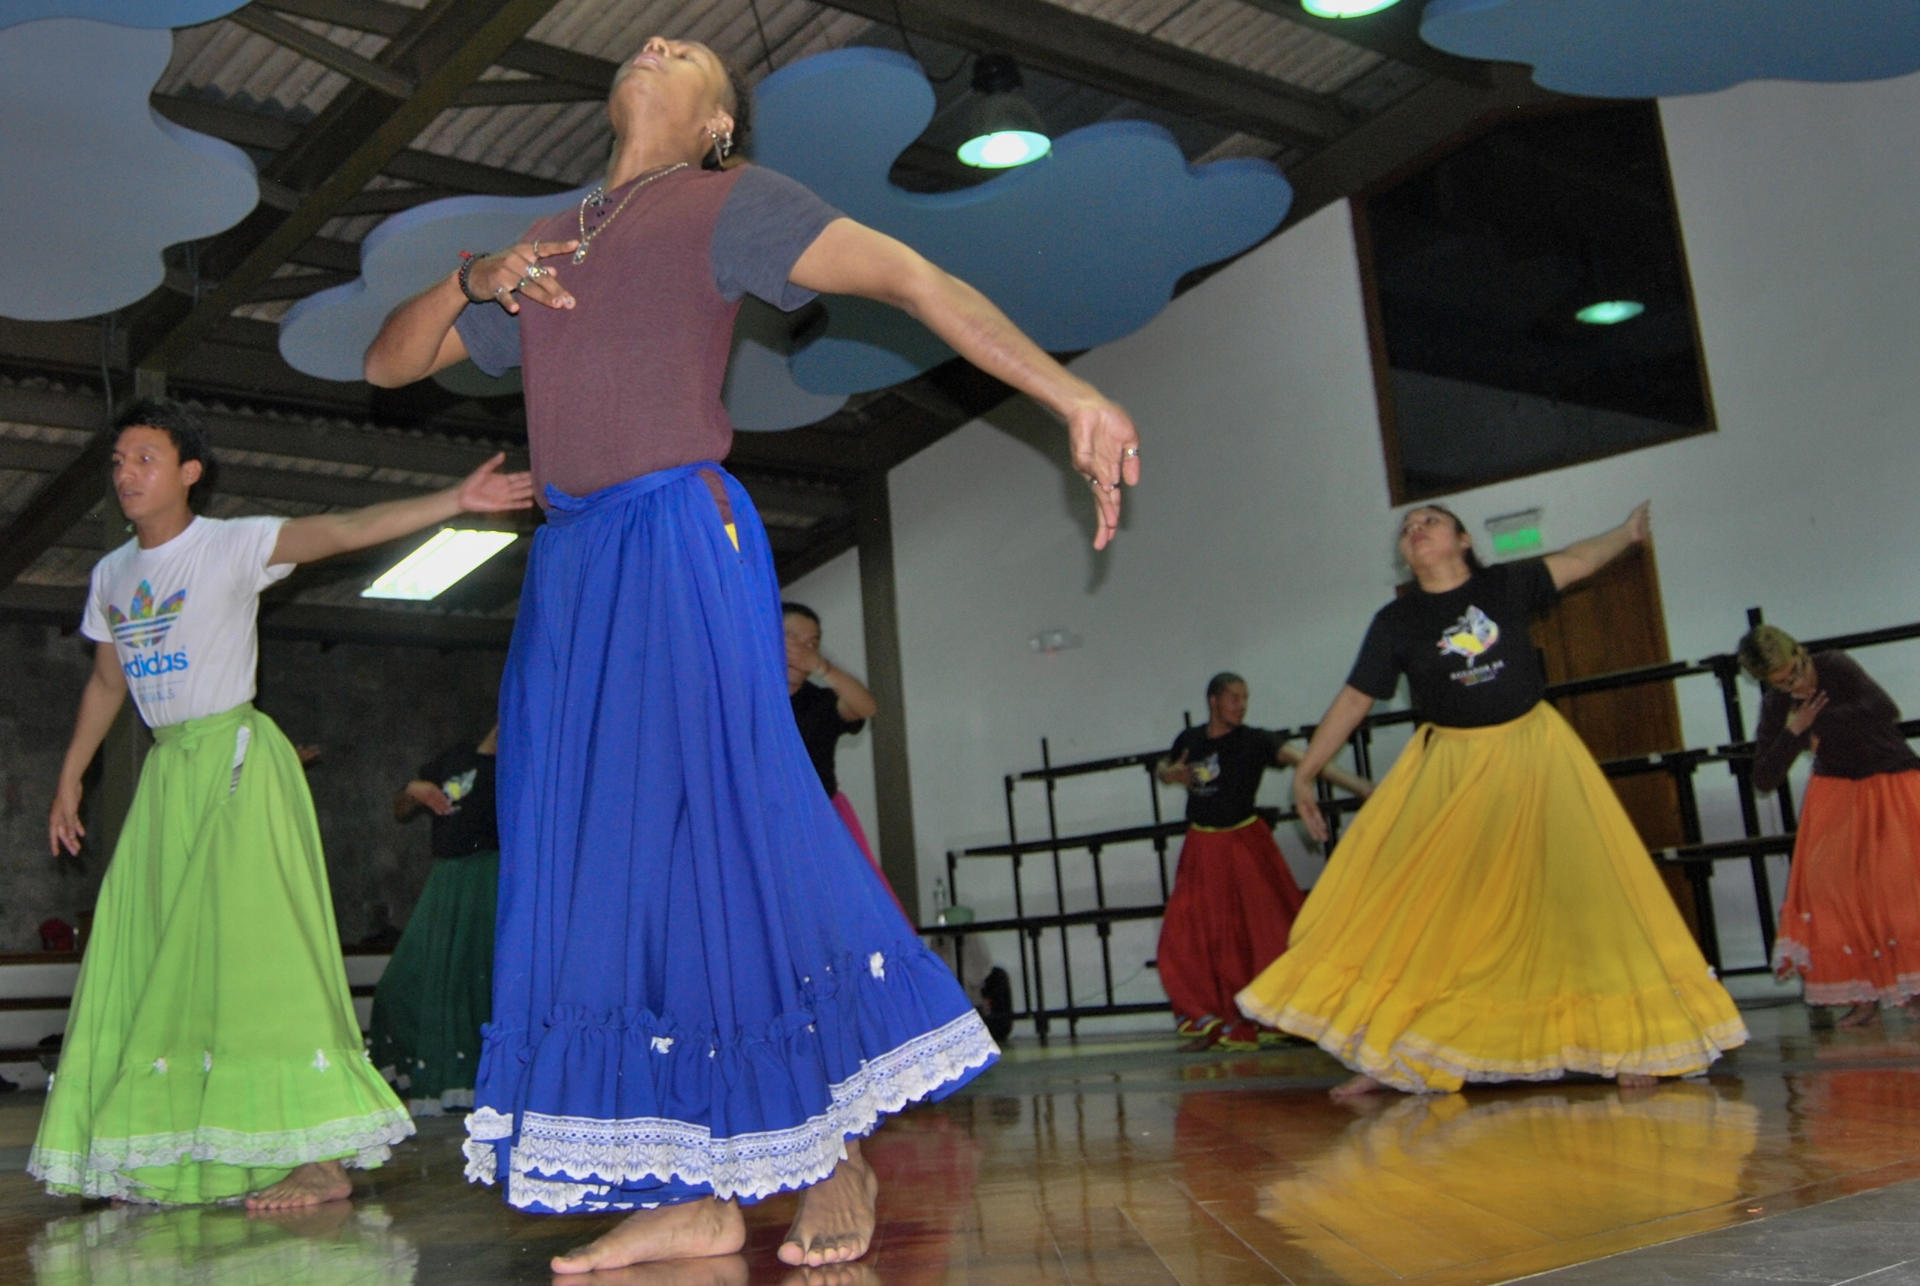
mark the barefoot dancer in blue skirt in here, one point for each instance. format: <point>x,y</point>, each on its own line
<point>702,994</point>
<point>212,1052</point>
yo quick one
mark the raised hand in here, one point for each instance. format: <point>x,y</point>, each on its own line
<point>518,270</point>
<point>1639,523</point>
<point>1106,452</point>
<point>487,490</point>
<point>1801,717</point>
<point>1176,772</point>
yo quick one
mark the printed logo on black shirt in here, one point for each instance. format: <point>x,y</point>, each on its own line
<point>1205,774</point>
<point>1472,637</point>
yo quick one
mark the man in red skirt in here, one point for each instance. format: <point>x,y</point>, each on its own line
<point>1233,898</point>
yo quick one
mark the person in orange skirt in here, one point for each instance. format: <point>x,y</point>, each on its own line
<point>1851,923</point>
<point>1233,898</point>
<point>1492,914</point>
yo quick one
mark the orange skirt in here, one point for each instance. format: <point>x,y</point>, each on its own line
<point>1851,923</point>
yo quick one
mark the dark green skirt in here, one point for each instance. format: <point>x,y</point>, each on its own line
<point>437,990</point>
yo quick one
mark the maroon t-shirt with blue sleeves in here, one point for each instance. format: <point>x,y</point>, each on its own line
<point>628,381</point>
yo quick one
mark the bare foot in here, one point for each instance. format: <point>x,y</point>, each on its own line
<point>835,1221</point>
<point>717,1270</point>
<point>1861,1015</point>
<point>1355,1087</point>
<point>1635,1080</point>
<point>685,1230</point>
<point>312,1184</point>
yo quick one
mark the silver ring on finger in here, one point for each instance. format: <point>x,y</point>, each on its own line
<point>1131,453</point>
<point>535,270</point>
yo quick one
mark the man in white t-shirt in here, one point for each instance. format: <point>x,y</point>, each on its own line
<point>212,1050</point>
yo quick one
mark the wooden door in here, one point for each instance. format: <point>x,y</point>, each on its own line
<point>1611,621</point>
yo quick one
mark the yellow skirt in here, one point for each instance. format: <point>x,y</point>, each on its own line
<point>1492,915</point>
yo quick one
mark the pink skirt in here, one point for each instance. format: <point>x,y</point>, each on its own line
<point>844,806</point>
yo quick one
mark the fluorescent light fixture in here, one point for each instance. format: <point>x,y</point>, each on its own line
<point>1345,8</point>
<point>430,570</point>
<point>1610,312</point>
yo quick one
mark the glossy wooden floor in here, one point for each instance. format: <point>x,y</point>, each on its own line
<point>1128,1162</point>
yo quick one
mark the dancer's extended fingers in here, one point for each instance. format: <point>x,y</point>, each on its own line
<point>554,249</point>
<point>545,288</point>
<point>1106,504</point>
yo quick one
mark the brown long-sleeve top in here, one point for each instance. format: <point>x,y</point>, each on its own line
<point>1859,730</point>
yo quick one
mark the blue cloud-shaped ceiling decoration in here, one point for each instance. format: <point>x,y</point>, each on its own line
<point>1079,249</point>
<point>1653,48</point>
<point>97,184</point>
<point>326,334</point>
<point>125,13</point>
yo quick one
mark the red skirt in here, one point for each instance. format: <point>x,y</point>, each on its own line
<point>1851,923</point>
<point>1231,910</point>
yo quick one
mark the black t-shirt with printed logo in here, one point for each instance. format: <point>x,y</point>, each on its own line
<point>1226,772</point>
<point>1466,654</point>
<point>466,776</point>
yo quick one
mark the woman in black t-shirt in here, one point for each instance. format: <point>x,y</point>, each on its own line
<point>1492,914</point>
<point>436,991</point>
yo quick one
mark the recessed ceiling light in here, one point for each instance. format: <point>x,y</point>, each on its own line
<point>1345,8</point>
<point>430,570</point>
<point>1610,312</point>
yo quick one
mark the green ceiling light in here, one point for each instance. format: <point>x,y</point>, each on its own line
<point>1345,8</point>
<point>1610,312</point>
<point>433,568</point>
<point>1003,130</point>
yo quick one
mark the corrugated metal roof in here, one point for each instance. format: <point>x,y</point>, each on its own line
<point>1242,34</point>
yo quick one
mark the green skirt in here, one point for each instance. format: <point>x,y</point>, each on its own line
<point>437,990</point>
<point>212,1045</point>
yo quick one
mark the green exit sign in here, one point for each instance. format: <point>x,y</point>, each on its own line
<point>1517,541</point>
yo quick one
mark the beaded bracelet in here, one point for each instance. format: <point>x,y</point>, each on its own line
<point>467,260</point>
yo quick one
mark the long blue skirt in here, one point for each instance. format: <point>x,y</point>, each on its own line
<point>700,985</point>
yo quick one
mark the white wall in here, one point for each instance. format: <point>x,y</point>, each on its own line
<point>1260,540</point>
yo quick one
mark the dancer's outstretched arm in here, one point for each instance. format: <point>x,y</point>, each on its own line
<point>100,701</point>
<point>1353,783</point>
<point>1583,558</point>
<point>1341,718</point>
<point>486,490</point>
<point>849,258</point>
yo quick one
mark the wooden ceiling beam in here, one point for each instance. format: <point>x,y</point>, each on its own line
<point>317,48</point>
<point>303,437</point>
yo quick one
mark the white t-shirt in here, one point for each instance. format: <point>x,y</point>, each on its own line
<point>183,615</point>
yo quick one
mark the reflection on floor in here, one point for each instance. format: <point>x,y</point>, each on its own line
<point>1121,1162</point>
